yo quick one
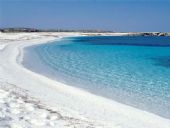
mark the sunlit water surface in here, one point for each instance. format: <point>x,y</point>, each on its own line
<point>131,70</point>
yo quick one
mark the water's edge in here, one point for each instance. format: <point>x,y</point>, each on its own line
<point>38,66</point>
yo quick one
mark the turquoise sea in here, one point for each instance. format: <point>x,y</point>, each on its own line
<point>130,70</point>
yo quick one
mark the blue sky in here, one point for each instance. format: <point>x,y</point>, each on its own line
<point>115,15</point>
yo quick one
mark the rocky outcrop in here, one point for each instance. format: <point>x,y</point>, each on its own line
<point>156,34</point>
<point>149,34</point>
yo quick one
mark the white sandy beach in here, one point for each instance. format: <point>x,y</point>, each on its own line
<point>31,100</point>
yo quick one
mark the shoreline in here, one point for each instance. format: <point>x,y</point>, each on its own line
<point>69,100</point>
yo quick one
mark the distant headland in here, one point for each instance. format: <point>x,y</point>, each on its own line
<point>11,30</point>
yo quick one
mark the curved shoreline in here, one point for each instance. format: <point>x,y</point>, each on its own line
<point>70,100</point>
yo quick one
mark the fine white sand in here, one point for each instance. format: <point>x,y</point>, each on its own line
<point>28,99</point>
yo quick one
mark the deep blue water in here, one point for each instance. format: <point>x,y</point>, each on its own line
<point>131,70</point>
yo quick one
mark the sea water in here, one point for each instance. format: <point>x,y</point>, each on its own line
<point>131,70</point>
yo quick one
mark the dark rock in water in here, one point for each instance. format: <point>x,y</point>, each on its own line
<point>163,34</point>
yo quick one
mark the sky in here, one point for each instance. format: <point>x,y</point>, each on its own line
<point>114,15</point>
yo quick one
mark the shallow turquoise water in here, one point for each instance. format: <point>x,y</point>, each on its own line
<point>131,70</point>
